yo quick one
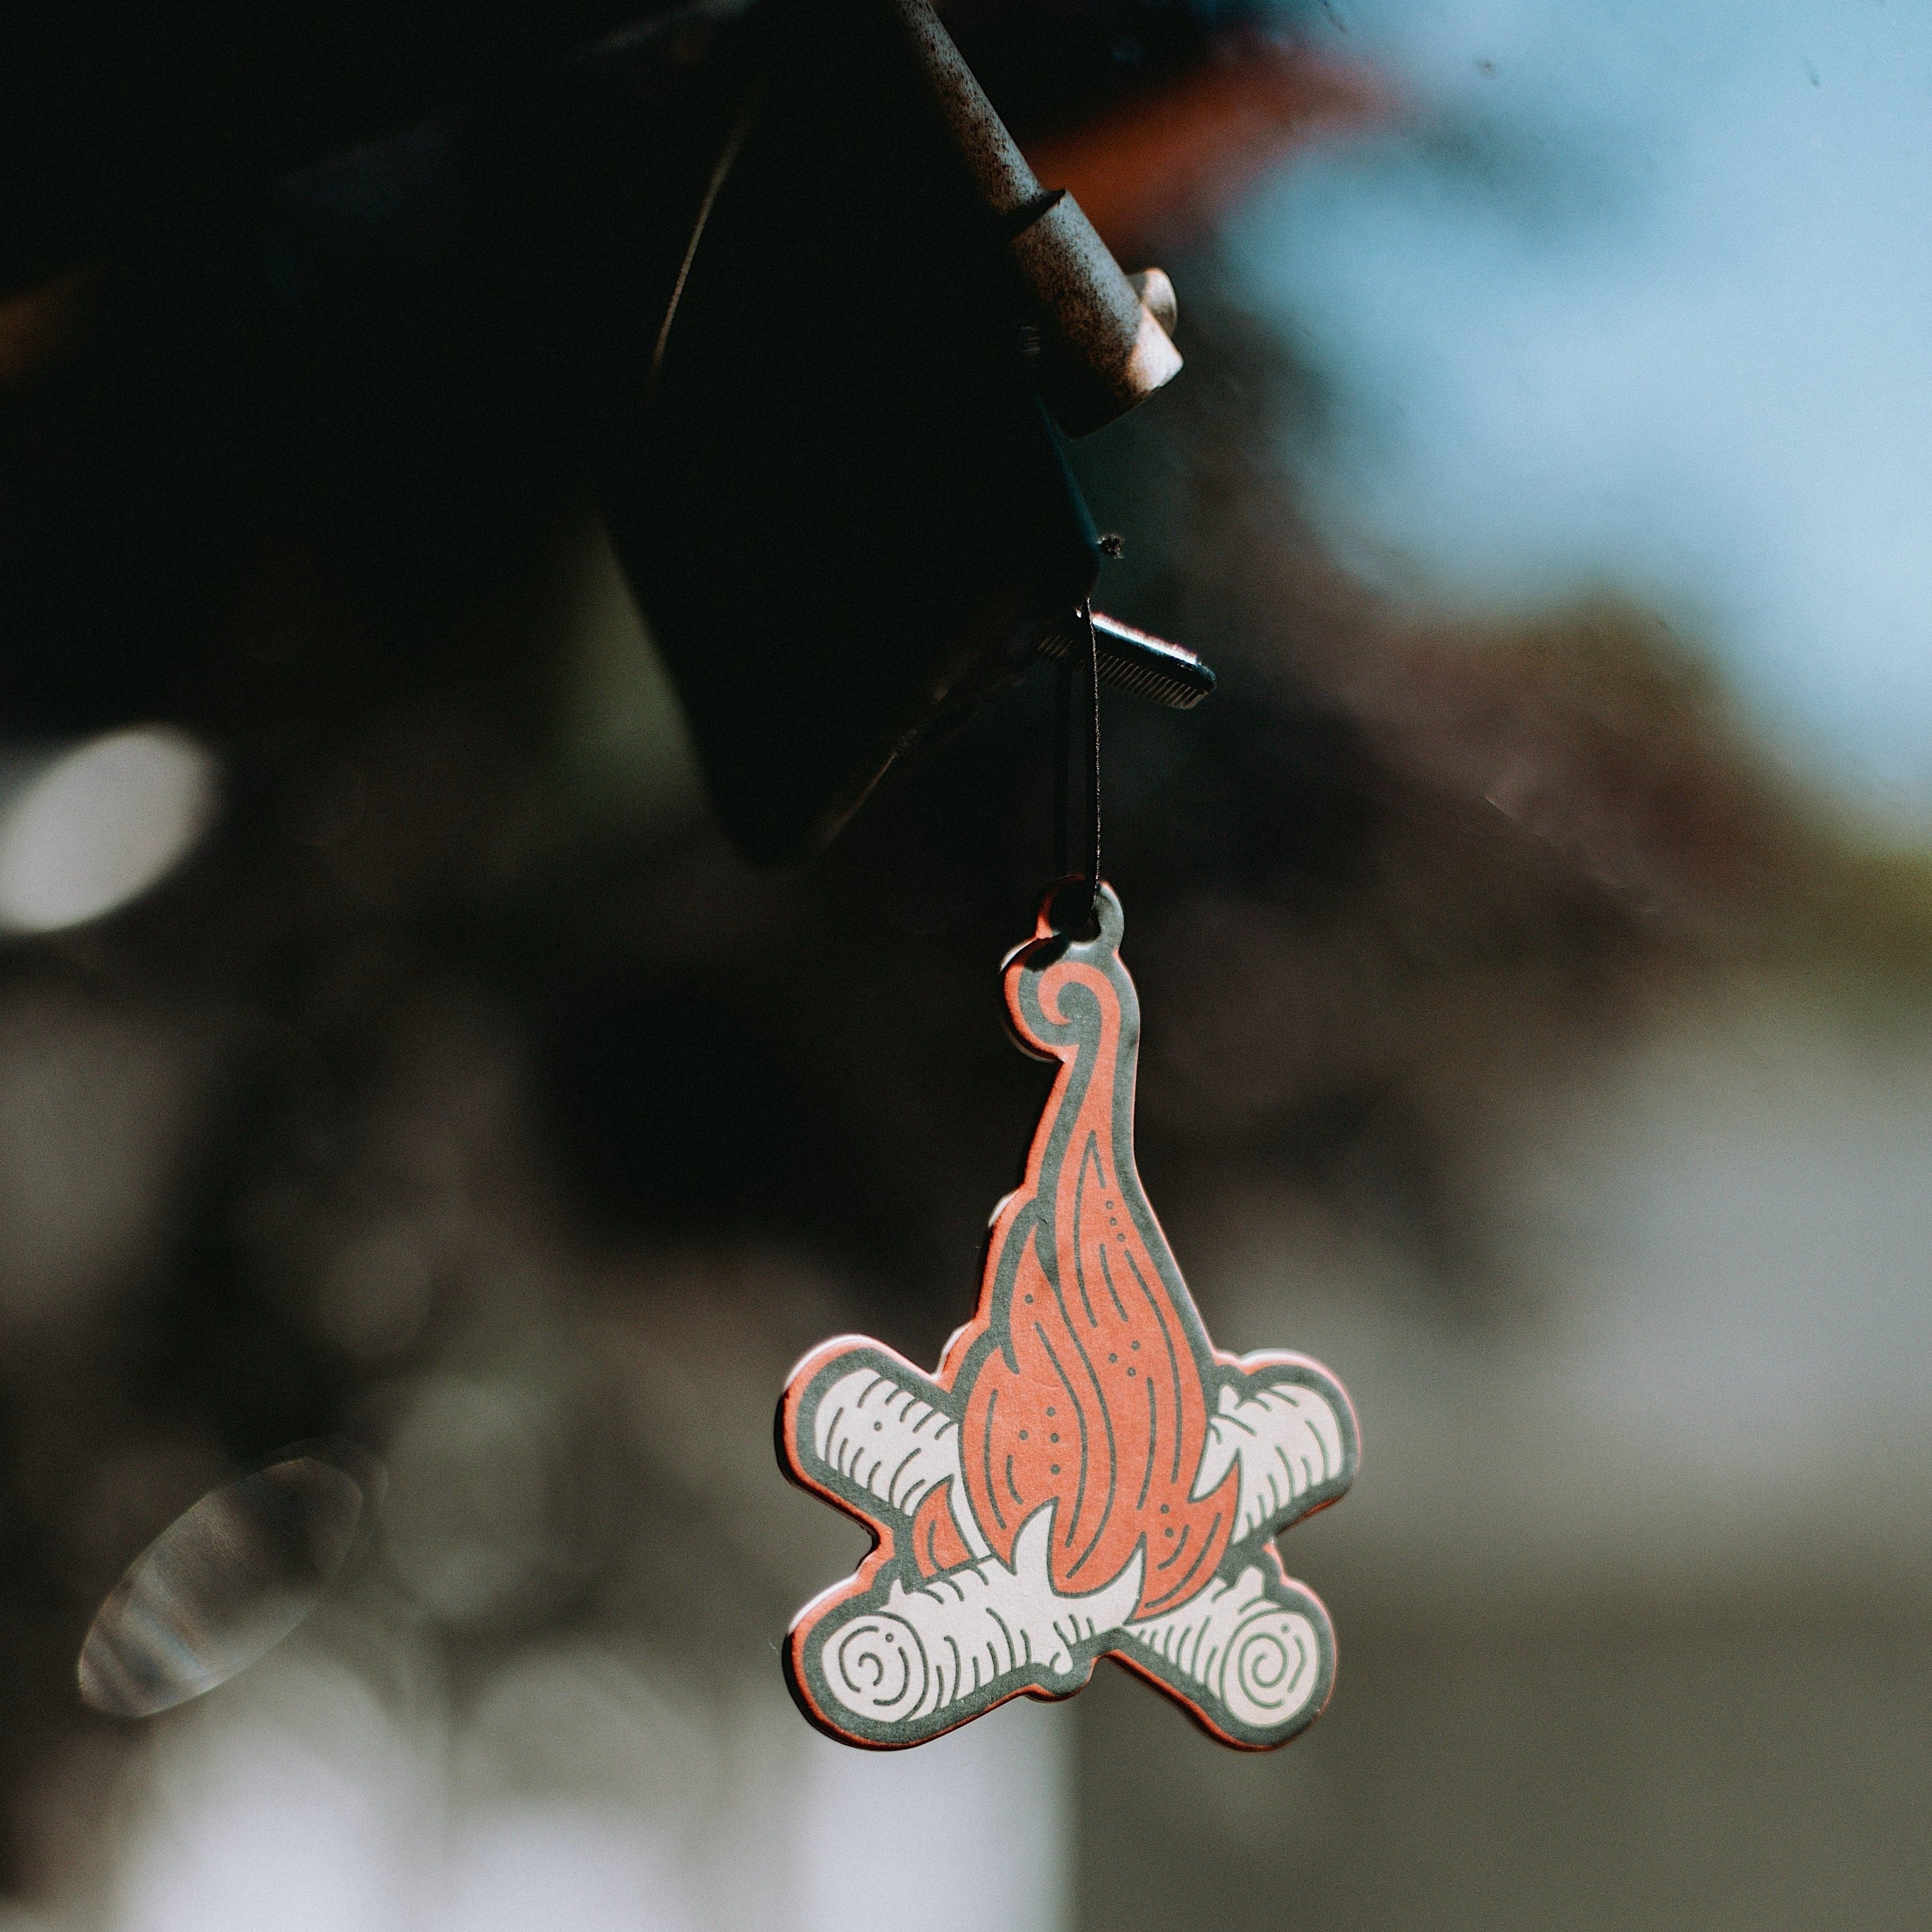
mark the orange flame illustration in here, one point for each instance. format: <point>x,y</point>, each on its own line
<point>1092,1395</point>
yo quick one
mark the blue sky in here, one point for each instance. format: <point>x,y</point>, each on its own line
<point>1640,295</point>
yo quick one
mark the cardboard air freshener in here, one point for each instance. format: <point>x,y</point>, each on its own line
<point>1085,1475</point>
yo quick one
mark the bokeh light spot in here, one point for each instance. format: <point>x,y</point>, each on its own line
<point>96,825</point>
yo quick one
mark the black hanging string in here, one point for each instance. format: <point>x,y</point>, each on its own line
<point>1062,750</point>
<point>1094,754</point>
<point>1063,734</point>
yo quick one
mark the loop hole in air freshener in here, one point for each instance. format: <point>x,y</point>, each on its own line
<point>229,1579</point>
<point>1076,913</point>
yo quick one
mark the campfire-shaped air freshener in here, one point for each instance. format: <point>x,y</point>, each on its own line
<point>1086,1475</point>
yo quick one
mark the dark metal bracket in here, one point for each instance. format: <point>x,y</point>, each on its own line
<point>1131,660</point>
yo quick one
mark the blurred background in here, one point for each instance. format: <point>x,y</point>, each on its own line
<point>1533,937</point>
